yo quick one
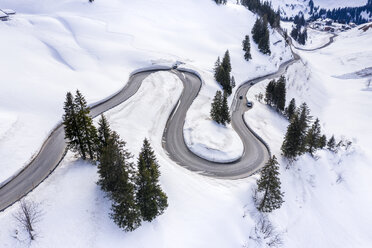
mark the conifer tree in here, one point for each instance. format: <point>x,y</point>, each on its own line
<point>304,120</point>
<point>222,72</point>
<point>269,185</point>
<point>313,138</point>
<point>115,178</point>
<point>233,84</point>
<point>292,140</point>
<point>226,62</point>
<point>291,109</point>
<point>152,201</point>
<point>280,94</point>
<point>216,69</point>
<point>113,159</point>
<point>85,123</point>
<point>247,48</point>
<point>257,30</point>
<point>331,145</point>
<point>71,126</point>
<point>322,141</point>
<point>225,115</point>
<point>216,107</point>
<point>270,91</point>
<point>104,133</point>
<point>264,42</point>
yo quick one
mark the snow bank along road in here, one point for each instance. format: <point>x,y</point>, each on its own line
<point>256,152</point>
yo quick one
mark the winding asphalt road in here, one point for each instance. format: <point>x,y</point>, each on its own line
<point>256,152</point>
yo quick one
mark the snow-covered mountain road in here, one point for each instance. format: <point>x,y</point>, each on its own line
<point>256,152</point>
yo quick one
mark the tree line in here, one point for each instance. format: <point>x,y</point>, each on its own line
<point>261,35</point>
<point>263,9</point>
<point>346,14</point>
<point>134,190</point>
<point>275,94</point>
<point>299,31</point>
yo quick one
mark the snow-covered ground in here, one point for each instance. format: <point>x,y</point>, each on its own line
<point>76,212</point>
<point>327,199</point>
<point>56,46</point>
<point>53,47</point>
<point>315,38</point>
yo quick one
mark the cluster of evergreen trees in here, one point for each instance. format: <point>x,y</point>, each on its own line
<point>261,35</point>
<point>134,191</point>
<point>275,94</point>
<point>302,136</point>
<point>220,109</point>
<point>247,48</point>
<point>79,129</point>
<point>299,32</point>
<point>263,9</point>
<point>269,187</point>
<point>222,72</point>
<point>346,14</point>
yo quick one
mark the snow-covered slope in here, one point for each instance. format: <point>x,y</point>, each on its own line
<point>51,47</point>
<point>327,199</point>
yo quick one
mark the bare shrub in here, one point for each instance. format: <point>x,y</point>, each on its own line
<point>28,215</point>
<point>265,235</point>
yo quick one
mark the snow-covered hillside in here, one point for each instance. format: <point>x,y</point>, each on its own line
<point>52,47</point>
<point>327,199</point>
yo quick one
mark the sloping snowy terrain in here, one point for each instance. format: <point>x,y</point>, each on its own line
<point>327,199</point>
<point>53,47</point>
<point>56,46</point>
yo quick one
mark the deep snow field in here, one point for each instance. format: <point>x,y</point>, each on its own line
<point>56,46</point>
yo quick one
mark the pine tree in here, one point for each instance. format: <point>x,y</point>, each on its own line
<point>269,184</point>
<point>322,141</point>
<point>216,107</point>
<point>115,172</point>
<point>280,94</point>
<point>233,84</point>
<point>225,115</point>
<point>313,138</point>
<point>257,31</point>
<point>304,120</point>
<point>85,123</point>
<point>114,158</point>
<point>269,94</point>
<point>264,42</point>
<point>331,145</point>
<point>291,109</point>
<point>220,76</point>
<point>217,67</point>
<point>152,201</point>
<point>247,48</point>
<point>72,129</point>
<point>104,133</point>
<point>226,62</point>
<point>292,140</point>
